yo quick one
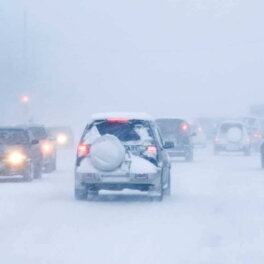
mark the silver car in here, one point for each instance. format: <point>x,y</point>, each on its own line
<point>120,151</point>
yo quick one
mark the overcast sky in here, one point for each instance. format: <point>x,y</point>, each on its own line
<point>166,57</point>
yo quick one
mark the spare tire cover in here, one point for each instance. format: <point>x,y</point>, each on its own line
<point>107,153</point>
<point>234,134</point>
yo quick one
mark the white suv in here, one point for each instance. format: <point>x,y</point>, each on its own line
<point>122,151</point>
<point>232,136</point>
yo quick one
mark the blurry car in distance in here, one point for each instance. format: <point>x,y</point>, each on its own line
<point>199,138</point>
<point>255,131</point>
<point>232,136</point>
<point>179,132</point>
<point>47,147</point>
<point>19,154</point>
<point>63,136</point>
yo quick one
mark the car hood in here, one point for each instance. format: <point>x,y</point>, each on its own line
<point>7,148</point>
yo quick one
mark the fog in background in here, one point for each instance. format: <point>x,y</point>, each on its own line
<point>166,57</point>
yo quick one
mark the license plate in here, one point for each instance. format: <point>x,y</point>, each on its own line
<point>114,178</point>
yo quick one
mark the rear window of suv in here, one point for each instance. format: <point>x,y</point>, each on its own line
<point>132,130</point>
<point>226,127</point>
<point>39,133</point>
<point>13,137</point>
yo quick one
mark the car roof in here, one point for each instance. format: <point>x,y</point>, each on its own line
<point>12,128</point>
<point>26,126</point>
<point>171,119</point>
<point>128,115</point>
<point>237,122</point>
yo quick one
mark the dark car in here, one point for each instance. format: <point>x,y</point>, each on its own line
<point>47,147</point>
<point>122,151</point>
<point>19,154</point>
<point>179,132</point>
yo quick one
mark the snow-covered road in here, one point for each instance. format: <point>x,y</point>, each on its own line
<point>215,215</point>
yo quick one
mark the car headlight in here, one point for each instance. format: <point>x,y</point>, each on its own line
<point>62,139</point>
<point>16,158</point>
<point>47,148</point>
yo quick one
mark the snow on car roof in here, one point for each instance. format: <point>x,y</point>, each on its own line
<point>127,115</point>
<point>232,121</point>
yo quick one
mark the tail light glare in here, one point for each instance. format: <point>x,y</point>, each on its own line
<point>83,149</point>
<point>185,127</point>
<point>257,136</point>
<point>117,120</point>
<point>217,140</point>
<point>152,149</point>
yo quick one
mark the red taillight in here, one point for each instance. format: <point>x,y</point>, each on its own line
<point>83,149</point>
<point>185,127</point>
<point>216,140</point>
<point>152,149</point>
<point>257,136</point>
<point>117,120</point>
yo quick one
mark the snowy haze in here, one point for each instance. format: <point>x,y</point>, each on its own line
<point>167,57</point>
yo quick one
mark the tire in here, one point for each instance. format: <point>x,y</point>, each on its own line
<point>80,195</point>
<point>37,171</point>
<point>167,191</point>
<point>262,161</point>
<point>28,174</point>
<point>49,168</point>
<point>189,156</point>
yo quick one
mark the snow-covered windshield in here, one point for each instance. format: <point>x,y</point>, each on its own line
<point>132,131</point>
<point>13,137</point>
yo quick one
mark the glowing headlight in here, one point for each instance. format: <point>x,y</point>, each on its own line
<point>46,148</point>
<point>16,158</point>
<point>62,139</point>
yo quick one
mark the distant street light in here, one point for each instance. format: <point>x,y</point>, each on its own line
<point>25,99</point>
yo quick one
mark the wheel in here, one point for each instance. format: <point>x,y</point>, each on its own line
<point>37,171</point>
<point>262,161</point>
<point>167,191</point>
<point>92,194</point>
<point>189,156</point>
<point>49,168</point>
<point>80,195</point>
<point>28,174</point>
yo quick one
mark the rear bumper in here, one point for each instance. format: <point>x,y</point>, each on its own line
<point>231,148</point>
<point>116,182</point>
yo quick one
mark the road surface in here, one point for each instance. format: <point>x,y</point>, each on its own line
<point>214,215</point>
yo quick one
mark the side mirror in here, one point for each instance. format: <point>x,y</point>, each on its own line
<point>168,145</point>
<point>34,142</point>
